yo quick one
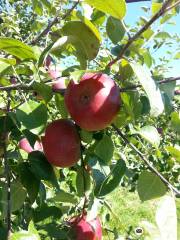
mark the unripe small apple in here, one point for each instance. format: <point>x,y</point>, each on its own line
<point>94,102</point>
<point>25,145</point>
<point>87,229</point>
<point>61,143</point>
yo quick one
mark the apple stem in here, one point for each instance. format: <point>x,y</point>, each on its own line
<point>6,167</point>
<point>150,166</point>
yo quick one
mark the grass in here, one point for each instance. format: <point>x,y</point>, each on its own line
<point>128,213</point>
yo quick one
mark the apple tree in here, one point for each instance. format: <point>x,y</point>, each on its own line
<point>85,108</point>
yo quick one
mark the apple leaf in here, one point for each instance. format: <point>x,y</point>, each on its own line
<point>17,48</point>
<point>162,35</point>
<point>151,134</point>
<point>43,90</point>
<point>31,234</point>
<point>104,149</point>
<point>177,56</point>
<point>60,104</point>
<point>166,218</point>
<point>33,116</point>
<point>85,36</point>
<point>115,29</point>
<point>178,217</point>
<point>174,151</point>
<point>151,89</point>
<point>83,181</point>
<point>175,121</point>
<point>32,186</point>
<point>63,196</point>
<point>114,8</point>
<point>150,186</point>
<point>113,179</point>
<point>41,168</point>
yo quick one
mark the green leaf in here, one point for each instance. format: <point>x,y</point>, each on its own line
<point>151,134</point>
<point>175,121</point>
<point>40,167</point>
<point>24,235</point>
<point>162,35</point>
<point>44,90</point>
<point>174,151</point>
<point>104,149</point>
<point>83,181</point>
<point>113,179</point>
<point>114,8</point>
<point>178,217</point>
<point>86,136</point>
<point>166,218</point>
<point>151,89</point>
<point>60,104</point>
<point>10,61</point>
<point>177,56</point>
<point>65,197</point>
<point>29,181</point>
<point>85,36</point>
<point>31,234</point>
<point>156,6</point>
<point>17,48</point>
<point>150,186</point>
<point>18,196</point>
<point>115,29</point>
<point>33,116</point>
<point>147,57</point>
<point>45,211</point>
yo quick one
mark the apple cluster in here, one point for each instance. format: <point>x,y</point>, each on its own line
<point>92,103</point>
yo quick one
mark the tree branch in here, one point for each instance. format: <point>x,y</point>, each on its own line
<point>52,23</point>
<point>6,167</point>
<point>134,87</point>
<point>141,155</point>
<point>160,13</point>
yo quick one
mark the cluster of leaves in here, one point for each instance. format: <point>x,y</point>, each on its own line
<point>81,42</point>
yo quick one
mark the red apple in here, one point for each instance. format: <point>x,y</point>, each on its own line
<point>61,143</point>
<point>47,61</point>
<point>94,102</point>
<point>54,74</point>
<point>59,84</point>
<point>24,145</point>
<point>87,229</point>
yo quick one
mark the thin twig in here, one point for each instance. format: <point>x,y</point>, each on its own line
<point>142,30</point>
<point>6,168</point>
<point>173,6</point>
<point>141,155</point>
<point>52,23</point>
<point>134,87</point>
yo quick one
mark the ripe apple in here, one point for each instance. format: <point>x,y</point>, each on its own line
<point>54,74</point>
<point>61,143</point>
<point>24,145</point>
<point>94,102</point>
<point>47,61</point>
<point>59,84</point>
<point>87,229</point>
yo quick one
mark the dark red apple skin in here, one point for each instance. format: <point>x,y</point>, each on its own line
<point>47,62</point>
<point>25,145</point>
<point>59,84</point>
<point>87,230</point>
<point>61,143</point>
<point>94,102</point>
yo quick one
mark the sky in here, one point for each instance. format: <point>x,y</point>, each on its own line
<point>133,13</point>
